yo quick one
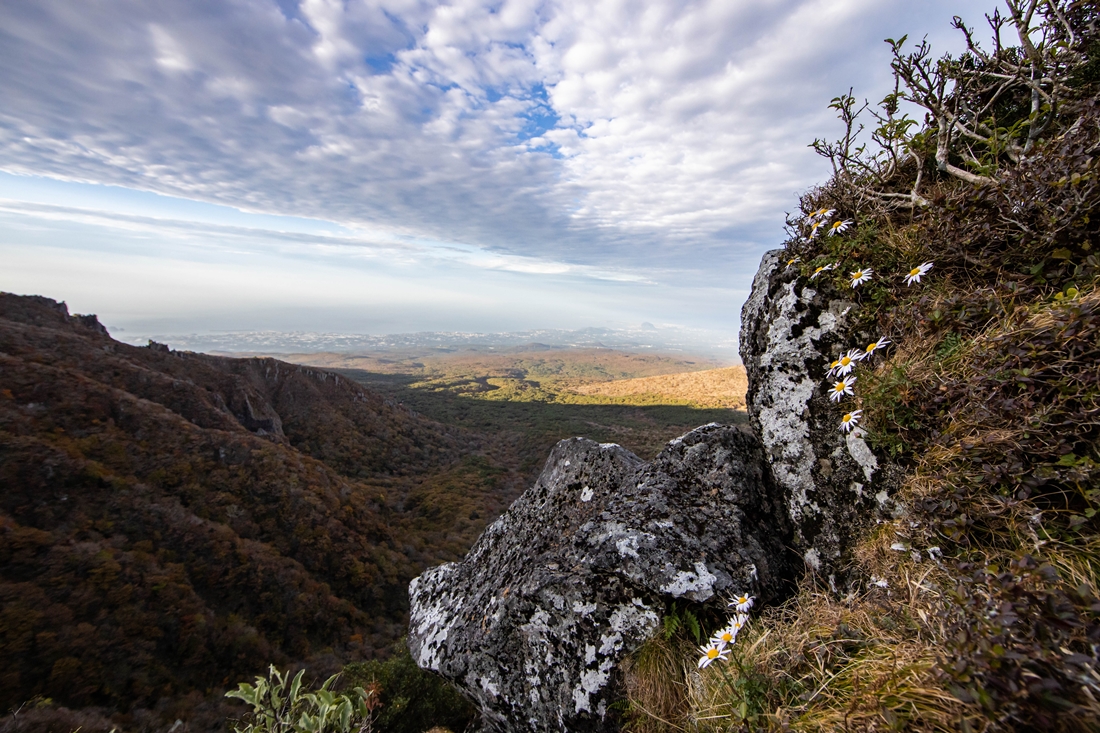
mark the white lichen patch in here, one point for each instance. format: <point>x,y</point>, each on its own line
<point>627,546</point>
<point>700,583</point>
<point>812,558</point>
<point>591,682</point>
<point>861,452</point>
<point>489,686</point>
<point>432,617</point>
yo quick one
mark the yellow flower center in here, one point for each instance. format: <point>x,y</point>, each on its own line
<point>845,361</point>
<point>839,387</point>
<point>857,274</point>
<point>837,224</point>
<point>914,271</point>
<point>871,347</point>
<point>846,418</point>
<point>712,653</point>
<point>727,637</point>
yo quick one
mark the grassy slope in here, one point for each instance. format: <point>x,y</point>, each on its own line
<point>710,388</point>
<point>979,609</point>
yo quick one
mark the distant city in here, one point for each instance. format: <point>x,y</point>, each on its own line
<point>643,338</point>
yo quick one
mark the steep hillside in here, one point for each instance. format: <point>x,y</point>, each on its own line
<point>172,522</point>
<point>952,263</point>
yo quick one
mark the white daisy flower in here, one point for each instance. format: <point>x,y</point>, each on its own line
<point>915,274</point>
<point>725,636</point>
<point>793,260</point>
<point>861,275</point>
<point>821,213</point>
<point>832,368</point>
<point>816,226</point>
<point>847,362</point>
<point>842,388</point>
<point>823,268</point>
<point>839,226</point>
<point>850,420</point>
<point>873,347</point>
<point>742,603</point>
<point>710,653</point>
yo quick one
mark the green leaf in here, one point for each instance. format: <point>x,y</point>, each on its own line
<point>295,686</point>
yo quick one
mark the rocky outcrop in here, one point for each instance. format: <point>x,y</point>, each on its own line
<point>832,483</point>
<point>576,574</point>
<point>533,623</point>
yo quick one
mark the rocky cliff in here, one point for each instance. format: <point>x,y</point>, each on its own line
<point>534,623</point>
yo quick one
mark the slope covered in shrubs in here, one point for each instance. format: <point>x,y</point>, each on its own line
<point>171,523</point>
<point>978,608</point>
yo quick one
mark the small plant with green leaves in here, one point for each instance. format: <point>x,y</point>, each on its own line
<point>279,706</point>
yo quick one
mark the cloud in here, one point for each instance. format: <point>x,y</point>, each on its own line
<point>617,136</point>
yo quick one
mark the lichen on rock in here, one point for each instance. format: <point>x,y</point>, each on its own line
<point>533,624</point>
<point>791,330</point>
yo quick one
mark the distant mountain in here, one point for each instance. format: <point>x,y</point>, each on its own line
<point>172,522</point>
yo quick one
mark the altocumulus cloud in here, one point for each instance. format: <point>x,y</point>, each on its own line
<point>589,134</point>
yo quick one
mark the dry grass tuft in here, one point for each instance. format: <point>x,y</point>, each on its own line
<point>657,678</point>
<point>865,662</point>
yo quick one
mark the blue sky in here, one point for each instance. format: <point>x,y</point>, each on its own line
<point>373,166</point>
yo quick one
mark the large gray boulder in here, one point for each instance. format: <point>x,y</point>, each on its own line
<point>832,482</point>
<point>577,573</point>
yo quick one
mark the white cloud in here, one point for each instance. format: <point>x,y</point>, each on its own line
<point>609,139</point>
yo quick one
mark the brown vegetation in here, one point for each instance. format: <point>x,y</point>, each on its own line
<point>171,523</point>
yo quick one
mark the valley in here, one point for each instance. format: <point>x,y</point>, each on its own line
<point>171,523</point>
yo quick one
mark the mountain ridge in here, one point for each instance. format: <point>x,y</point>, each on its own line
<point>172,522</point>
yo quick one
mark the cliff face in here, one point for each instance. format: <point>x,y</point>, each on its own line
<point>533,624</point>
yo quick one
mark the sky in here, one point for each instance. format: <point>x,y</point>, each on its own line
<point>385,166</point>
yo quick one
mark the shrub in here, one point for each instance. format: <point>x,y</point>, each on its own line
<point>279,707</point>
<point>410,699</point>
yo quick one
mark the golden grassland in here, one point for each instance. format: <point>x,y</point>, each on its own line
<point>724,387</point>
<point>575,376</point>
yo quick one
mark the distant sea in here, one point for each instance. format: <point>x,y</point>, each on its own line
<point>647,338</point>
